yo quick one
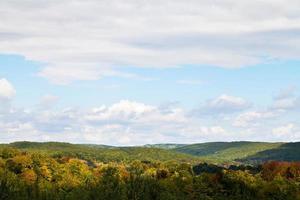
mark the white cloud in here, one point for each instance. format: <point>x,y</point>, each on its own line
<point>86,40</point>
<point>283,102</point>
<point>253,118</point>
<point>205,133</point>
<point>224,104</point>
<point>134,123</point>
<point>287,104</point>
<point>283,130</point>
<point>286,100</point>
<point>7,91</point>
<point>124,110</point>
<point>287,132</point>
<point>286,93</point>
<point>134,112</point>
<point>47,101</point>
<point>123,123</point>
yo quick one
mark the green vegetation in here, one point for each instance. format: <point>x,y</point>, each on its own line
<point>232,151</point>
<point>103,153</point>
<point>27,174</point>
<point>284,152</point>
<point>213,152</point>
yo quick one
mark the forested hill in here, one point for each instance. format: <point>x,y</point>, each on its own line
<point>28,174</point>
<point>103,153</point>
<point>247,152</point>
<point>215,152</point>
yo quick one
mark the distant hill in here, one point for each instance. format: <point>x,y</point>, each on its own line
<point>103,153</point>
<point>285,152</point>
<point>246,152</point>
<point>213,152</point>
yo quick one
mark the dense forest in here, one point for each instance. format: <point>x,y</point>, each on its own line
<point>28,171</point>
<point>102,153</point>
<point>243,152</point>
<point>212,152</point>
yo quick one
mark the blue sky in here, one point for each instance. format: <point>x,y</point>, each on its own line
<point>187,85</point>
<point>126,73</point>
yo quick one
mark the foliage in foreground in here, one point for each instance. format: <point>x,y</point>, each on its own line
<point>25,176</point>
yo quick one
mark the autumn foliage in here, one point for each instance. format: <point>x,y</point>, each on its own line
<point>36,176</point>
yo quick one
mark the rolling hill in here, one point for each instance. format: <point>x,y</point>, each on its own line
<point>246,152</point>
<point>285,152</point>
<point>103,153</point>
<point>213,152</point>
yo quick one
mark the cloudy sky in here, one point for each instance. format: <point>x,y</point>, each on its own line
<point>133,72</point>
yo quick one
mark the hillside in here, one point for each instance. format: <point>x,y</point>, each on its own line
<point>246,152</point>
<point>103,153</point>
<point>36,176</point>
<point>213,152</point>
<point>285,152</point>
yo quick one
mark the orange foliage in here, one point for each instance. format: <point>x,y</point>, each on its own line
<point>289,170</point>
<point>29,176</point>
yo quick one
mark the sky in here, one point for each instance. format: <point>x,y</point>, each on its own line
<point>136,72</point>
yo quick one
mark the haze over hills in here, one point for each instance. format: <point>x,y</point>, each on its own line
<point>165,146</point>
<point>215,152</point>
